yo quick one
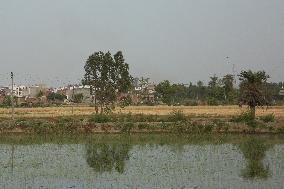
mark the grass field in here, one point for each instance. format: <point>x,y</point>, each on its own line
<point>200,111</point>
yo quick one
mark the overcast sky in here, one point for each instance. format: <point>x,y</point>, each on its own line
<point>180,40</point>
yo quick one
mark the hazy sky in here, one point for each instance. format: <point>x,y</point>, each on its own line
<point>180,40</point>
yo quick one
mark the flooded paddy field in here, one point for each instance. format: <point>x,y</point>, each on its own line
<point>142,161</point>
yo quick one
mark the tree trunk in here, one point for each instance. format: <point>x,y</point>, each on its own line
<point>252,111</point>
<point>96,105</point>
<point>102,108</point>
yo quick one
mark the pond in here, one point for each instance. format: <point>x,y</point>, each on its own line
<point>142,161</point>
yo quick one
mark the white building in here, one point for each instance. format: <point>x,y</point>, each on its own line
<point>281,92</point>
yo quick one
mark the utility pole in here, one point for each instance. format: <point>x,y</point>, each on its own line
<point>12,95</point>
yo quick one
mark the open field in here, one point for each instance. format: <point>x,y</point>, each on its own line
<point>199,111</point>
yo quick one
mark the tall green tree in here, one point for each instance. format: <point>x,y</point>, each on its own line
<point>107,76</point>
<point>252,89</point>
<point>215,91</point>
<point>228,85</point>
<point>164,92</point>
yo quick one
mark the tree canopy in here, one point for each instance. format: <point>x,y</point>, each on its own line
<point>252,89</point>
<point>107,75</point>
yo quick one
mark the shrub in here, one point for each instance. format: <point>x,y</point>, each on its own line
<point>126,127</point>
<point>243,117</point>
<point>143,126</point>
<point>247,118</point>
<point>177,115</point>
<point>100,118</point>
<point>267,118</point>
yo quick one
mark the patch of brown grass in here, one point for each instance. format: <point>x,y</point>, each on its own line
<point>197,111</point>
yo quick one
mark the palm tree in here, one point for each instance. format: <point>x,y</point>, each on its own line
<point>251,89</point>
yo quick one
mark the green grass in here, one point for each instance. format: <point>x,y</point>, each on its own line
<point>267,118</point>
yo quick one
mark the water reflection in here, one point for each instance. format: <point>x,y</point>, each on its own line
<point>254,150</point>
<point>105,157</point>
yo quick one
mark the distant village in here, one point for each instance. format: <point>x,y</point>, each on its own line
<point>142,92</point>
<point>42,95</point>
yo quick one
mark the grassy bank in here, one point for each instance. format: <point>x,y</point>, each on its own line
<point>175,122</point>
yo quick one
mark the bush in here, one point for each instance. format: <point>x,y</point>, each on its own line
<point>177,115</point>
<point>247,118</point>
<point>267,118</point>
<point>243,117</point>
<point>126,127</point>
<point>191,103</point>
<point>100,118</point>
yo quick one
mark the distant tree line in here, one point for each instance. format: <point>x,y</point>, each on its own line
<point>222,91</point>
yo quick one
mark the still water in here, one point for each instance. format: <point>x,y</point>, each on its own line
<point>142,161</point>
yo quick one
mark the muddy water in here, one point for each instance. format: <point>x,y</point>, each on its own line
<point>142,161</point>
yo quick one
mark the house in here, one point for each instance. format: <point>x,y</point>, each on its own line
<point>79,89</point>
<point>281,92</point>
<point>25,91</point>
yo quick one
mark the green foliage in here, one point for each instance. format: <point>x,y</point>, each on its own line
<point>267,118</point>
<point>212,101</point>
<point>171,94</point>
<point>107,77</point>
<point>125,101</point>
<point>100,118</point>
<point>126,127</point>
<point>228,86</point>
<point>8,101</point>
<point>243,117</point>
<point>55,97</point>
<point>78,98</point>
<point>247,118</point>
<point>177,115</point>
<point>251,89</point>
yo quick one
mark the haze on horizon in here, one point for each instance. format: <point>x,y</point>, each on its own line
<point>182,40</point>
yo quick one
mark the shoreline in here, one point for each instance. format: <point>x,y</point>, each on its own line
<point>125,123</point>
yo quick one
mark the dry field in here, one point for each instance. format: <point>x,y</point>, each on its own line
<point>203,111</point>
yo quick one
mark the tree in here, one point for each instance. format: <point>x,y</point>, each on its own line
<point>107,77</point>
<point>252,89</point>
<point>164,91</point>
<point>228,85</point>
<point>78,98</point>
<point>215,91</point>
<point>55,97</point>
<point>171,94</point>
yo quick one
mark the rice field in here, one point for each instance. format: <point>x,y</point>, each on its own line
<point>202,111</point>
<point>142,161</point>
